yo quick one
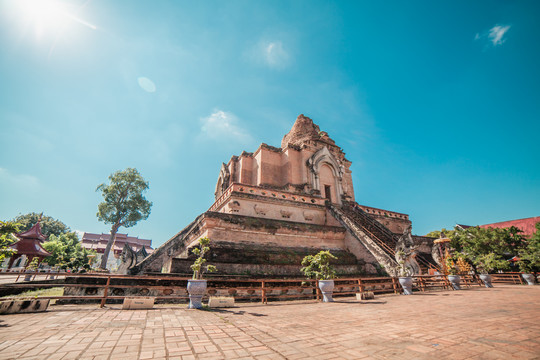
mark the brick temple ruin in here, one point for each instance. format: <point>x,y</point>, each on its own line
<point>276,205</point>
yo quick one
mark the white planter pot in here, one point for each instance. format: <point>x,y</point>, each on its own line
<point>327,288</point>
<point>486,278</point>
<point>406,284</point>
<point>529,278</point>
<point>455,280</point>
<point>196,290</point>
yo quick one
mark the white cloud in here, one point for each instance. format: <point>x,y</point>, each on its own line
<point>270,53</point>
<point>22,181</point>
<point>275,55</point>
<point>224,125</point>
<point>495,35</point>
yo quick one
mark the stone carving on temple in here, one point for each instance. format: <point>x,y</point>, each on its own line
<point>406,252</point>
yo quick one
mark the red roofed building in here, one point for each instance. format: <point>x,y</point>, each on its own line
<point>98,242</point>
<point>528,225</point>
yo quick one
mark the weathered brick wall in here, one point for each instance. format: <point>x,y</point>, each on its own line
<point>262,260</point>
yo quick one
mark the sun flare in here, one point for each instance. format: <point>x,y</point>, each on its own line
<point>48,15</point>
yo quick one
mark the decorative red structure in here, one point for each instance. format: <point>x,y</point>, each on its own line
<point>29,244</point>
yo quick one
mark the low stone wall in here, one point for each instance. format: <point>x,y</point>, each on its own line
<point>136,287</point>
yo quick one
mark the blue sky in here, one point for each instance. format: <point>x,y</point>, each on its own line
<point>436,103</point>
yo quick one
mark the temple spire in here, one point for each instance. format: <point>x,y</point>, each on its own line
<point>304,130</point>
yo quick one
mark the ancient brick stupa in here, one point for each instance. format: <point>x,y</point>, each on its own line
<point>276,205</point>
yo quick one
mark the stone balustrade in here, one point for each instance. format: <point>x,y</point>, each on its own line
<point>269,193</point>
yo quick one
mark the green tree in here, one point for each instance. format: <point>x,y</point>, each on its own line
<point>123,205</point>
<point>437,233</point>
<point>49,225</point>
<point>529,254</point>
<point>487,249</point>
<point>7,229</point>
<point>67,252</point>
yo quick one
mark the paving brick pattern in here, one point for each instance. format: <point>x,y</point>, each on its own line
<point>498,323</point>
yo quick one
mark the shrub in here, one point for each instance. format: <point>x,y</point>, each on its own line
<point>318,266</point>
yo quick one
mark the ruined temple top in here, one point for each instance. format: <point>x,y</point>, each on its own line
<point>303,131</point>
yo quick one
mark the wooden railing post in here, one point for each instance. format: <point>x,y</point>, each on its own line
<point>105,292</point>
<point>263,293</point>
<point>394,285</point>
<point>422,283</point>
<point>360,286</point>
<point>318,290</point>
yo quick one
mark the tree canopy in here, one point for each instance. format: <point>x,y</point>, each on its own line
<point>7,229</point>
<point>49,225</point>
<point>124,203</point>
<point>486,249</point>
<point>67,252</point>
<point>529,254</point>
<point>437,233</point>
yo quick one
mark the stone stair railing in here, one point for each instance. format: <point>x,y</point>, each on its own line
<point>386,238</point>
<point>173,246</point>
<point>375,243</point>
<point>383,235</point>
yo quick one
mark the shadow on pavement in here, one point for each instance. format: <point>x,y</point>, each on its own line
<point>240,312</point>
<point>364,302</point>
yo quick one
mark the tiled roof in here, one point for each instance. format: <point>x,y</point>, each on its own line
<point>528,225</point>
<point>98,242</point>
<point>33,233</point>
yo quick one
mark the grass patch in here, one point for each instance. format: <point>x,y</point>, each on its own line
<point>55,291</point>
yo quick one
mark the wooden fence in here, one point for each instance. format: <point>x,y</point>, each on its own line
<point>264,290</point>
<point>507,278</point>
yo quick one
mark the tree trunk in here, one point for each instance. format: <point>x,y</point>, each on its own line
<point>105,256</point>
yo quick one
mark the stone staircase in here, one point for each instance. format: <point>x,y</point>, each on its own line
<point>163,254</point>
<point>377,238</point>
<point>374,241</point>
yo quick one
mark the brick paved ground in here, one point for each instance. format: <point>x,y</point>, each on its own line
<point>499,323</point>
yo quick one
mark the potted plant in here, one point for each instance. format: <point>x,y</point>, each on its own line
<point>529,257</point>
<point>487,263</point>
<point>197,285</point>
<point>526,269</point>
<point>404,274</point>
<point>318,266</point>
<point>453,273</point>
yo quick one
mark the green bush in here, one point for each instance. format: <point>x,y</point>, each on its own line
<point>318,266</point>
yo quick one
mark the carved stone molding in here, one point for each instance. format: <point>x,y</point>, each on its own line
<point>223,181</point>
<point>314,164</point>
